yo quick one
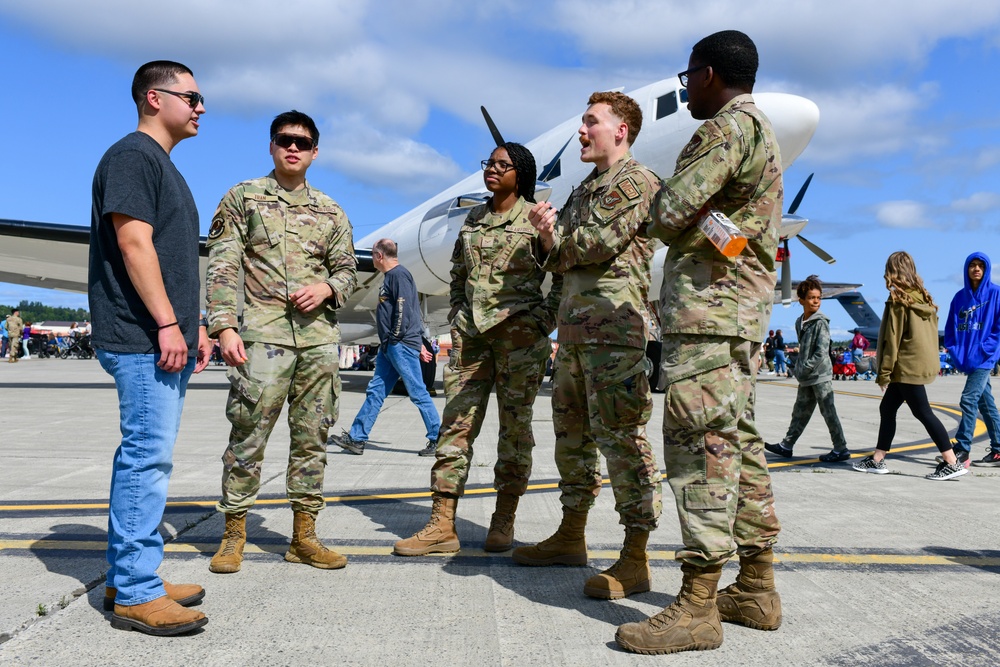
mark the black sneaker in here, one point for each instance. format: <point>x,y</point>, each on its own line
<point>991,459</point>
<point>779,449</point>
<point>430,449</point>
<point>835,456</point>
<point>347,443</point>
<point>869,464</point>
<point>947,471</point>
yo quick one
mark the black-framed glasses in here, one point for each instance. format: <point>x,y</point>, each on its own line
<point>500,166</point>
<point>683,76</point>
<point>193,98</point>
<point>286,141</point>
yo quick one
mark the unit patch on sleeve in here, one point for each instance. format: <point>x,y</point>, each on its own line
<point>218,227</point>
<point>611,200</point>
<point>628,189</point>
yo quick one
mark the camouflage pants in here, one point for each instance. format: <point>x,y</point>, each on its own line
<point>15,347</point>
<point>806,401</point>
<point>309,379</point>
<point>713,454</point>
<point>600,404</point>
<point>510,356</point>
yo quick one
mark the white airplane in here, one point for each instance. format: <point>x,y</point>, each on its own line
<point>56,256</point>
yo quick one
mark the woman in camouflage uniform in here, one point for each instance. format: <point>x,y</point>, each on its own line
<point>500,327</point>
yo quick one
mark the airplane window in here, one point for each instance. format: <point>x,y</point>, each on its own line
<point>684,95</point>
<point>666,104</point>
<point>468,201</point>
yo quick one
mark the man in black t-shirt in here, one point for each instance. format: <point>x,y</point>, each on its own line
<point>400,332</point>
<point>143,291</point>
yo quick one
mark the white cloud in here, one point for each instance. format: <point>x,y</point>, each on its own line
<point>979,202</point>
<point>904,214</point>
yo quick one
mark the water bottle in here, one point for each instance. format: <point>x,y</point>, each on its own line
<point>723,234</point>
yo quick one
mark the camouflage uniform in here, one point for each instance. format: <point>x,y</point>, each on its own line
<point>601,398</point>
<point>15,329</point>
<point>500,338</point>
<point>284,241</point>
<point>714,310</point>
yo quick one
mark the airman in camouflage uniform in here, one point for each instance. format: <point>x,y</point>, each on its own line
<point>714,310</point>
<point>15,329</point>
<point>294,246</point>
<point>501,322</point>
<point>601,398</point>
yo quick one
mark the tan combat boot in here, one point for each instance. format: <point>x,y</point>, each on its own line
<point>753,600</point>
<point>306,547</point>
<point>691,623</point>
<point>438,536</point>
<point>501,535</point>
<point>630,573</point>
<point>567,546</point>
<point>229,557</point>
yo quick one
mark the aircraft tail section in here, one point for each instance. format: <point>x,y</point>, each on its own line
<point>859,310</point>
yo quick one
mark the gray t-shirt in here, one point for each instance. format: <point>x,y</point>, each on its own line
<point>137,179</point>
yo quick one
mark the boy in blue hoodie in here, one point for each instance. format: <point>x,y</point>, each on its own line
<point>972,336</point>
<point>814,371</point>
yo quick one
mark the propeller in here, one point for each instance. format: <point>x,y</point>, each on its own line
<point>497,137</point>
<point>785,254</point>
<point>549,171</point>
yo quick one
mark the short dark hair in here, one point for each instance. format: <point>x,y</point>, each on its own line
<point>386,247</point>
<point>524,167</point>
<point>624,107</point>
<point>732,55</point>
<point>294,117</point>
<point>808,285</point>
<point>154,74</point>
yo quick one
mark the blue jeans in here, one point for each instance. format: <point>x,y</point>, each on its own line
<point>149,402</point>
<point>977,396</point>
<point>395,361</point>
<point>779,361</point>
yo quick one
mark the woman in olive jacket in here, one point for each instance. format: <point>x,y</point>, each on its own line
<point>907,361</point>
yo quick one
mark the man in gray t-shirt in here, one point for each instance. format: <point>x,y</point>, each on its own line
<point>400,331</point>
<point>143,291</point>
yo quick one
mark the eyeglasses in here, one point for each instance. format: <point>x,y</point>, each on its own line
<point>499,165</point>
<point>286,141</point>
<point>193,98</point>
<point>683,76</point>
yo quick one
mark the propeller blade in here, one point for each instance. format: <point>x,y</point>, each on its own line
<point>497,137</point>
<point>819,252</point>
<point>547,170</point>
<point>786,277</point>
<point>798,198</point>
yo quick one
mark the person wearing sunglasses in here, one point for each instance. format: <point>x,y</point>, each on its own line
<point>501,321</point>
<point>143,292</point>
<point>294,245</point>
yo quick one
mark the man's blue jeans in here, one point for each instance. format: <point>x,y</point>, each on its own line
<point>149,402</point>
<point>977,396</point>
<point>395,361</point>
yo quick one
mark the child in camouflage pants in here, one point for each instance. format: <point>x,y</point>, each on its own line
<point>814,371</point>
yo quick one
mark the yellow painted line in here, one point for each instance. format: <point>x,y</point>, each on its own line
<point>606,554</point>
<point>209,504</point>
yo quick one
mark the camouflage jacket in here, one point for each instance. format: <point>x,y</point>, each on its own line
<point>283,241</point>
<point>15,326</point>
<point>731,164</point>
<point>603,253</point>
<point>494,275</point>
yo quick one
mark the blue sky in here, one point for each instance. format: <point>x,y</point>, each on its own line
<point>906,155</point>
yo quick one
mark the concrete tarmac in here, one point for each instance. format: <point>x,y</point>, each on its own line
<point>872,569</point>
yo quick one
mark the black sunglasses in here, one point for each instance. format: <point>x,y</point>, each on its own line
<point>286,141</point>
<point>193,98</point>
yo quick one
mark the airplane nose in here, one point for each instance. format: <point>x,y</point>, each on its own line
<point>794,120</point>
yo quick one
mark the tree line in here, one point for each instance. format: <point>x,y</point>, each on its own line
<point>34,311</point>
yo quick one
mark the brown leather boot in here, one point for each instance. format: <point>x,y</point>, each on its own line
<point>183,594</point>
<point>229,557</point>
<point>567,546</point>
<point>438,536</point>
<point>753,600</point>
<point>161,617</point>
<point>630,573</point>
<point>691,623</point>
<point>306,547</point>
<point>501,534</point>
